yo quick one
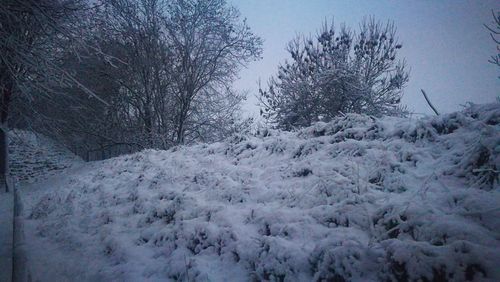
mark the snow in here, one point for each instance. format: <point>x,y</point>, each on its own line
<point>355,199</point>
<point>34,157</point>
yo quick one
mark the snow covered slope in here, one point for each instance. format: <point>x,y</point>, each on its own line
<point>356,199</point>
<point>33,156</point>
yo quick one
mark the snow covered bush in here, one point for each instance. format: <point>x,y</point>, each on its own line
<point>355,199</point>
<point>335,73</point>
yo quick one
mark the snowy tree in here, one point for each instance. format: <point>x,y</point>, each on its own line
<point>166,78</point>
<point>135,30</point>
<point>31,33</point>
<point>334,73</point>
<point>494,30</point>
<point>209,43</point>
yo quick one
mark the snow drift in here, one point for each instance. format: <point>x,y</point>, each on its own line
<point>355,199</point>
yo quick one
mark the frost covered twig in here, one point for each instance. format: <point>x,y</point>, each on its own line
<point>485,170</point>
<point>429,102</point>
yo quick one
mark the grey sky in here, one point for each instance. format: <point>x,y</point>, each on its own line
<point>444,42</point>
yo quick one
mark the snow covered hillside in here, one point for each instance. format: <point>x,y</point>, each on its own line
<point>356,199</point>
<point>33,157</point>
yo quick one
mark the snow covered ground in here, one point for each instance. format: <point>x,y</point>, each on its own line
<point>356,199</point>
<point>34,157</point>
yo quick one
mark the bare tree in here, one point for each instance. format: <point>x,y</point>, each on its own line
<point>215,115</point>
<point>144,78</point>
<point>495,33</point>
<point>208,43</point>
<point>30,35</point>
<point>166,78</point>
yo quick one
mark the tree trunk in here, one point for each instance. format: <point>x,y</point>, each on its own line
<point>180,131</point>
<point>181,128</point>
<point>148,127</point>
<point>4,108</point>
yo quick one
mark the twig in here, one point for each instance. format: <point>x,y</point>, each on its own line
<point>429,102</point>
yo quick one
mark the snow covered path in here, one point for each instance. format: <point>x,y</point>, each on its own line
<point>32,158</point>
<point>356,199</point>
<point>48,260</point>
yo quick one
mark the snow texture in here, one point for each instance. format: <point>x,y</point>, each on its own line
<point>355,199</point>
<point>33,156</point>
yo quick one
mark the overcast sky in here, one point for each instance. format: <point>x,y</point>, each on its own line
<point>444,42</point>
